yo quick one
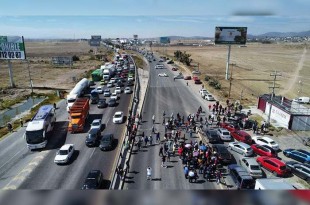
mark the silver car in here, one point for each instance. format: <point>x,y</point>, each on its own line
<point>224,134</point>
<point>252,167</point>
<point>241,148</point>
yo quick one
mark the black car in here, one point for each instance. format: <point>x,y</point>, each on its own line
<point>93,137</point>
<point>93,180</point>
<point>112,103</point>
<point>212,136</point>
<point>102,103</point>
<point>119,83</point>
<point>106,142</point>
<point>300,170</point>
<point>223,154</point>
<point>129,83</point>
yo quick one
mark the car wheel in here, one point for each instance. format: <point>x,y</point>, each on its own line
<point>274,173</point>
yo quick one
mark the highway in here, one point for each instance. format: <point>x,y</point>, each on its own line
<point>24,169</point>
<point>164,94</point>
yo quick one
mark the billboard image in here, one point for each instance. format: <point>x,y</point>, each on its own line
<point>95,41</point>
<point>135,37</point>
<point>12,47</point>
<point>230,35</point>
<point>164,40</point>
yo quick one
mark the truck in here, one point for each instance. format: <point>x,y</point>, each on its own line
<point>94,96</point>
<point>40,125</point>
<point>78,115</point>
<point>77,92</point>
<point>305,100</point>
<point>108,71</point>
<point>273,184</point>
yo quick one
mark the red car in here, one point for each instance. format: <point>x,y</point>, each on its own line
<point>228,126</point>
<point>195,78</point>
<point>241,136</point>
<point>187,77</point>
<point>264,150</point>
<point>274,165</point>
<point>174,69</point>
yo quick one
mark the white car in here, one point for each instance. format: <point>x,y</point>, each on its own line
<point>64,154</point>
<point>196,72</point>
<point>118,90</point>
<point>114,96</point>
<point>241,148</point>
<point>99,89</point>
<point>252,167</point>
<point>162,75</point>
<point>127,90</point>
<point>118,117</point>
<point>110,85</point>
<point>265,141</point>
<point>96,124</point>
<point>209,97</point>
<point>106,93</point>
<point>224,134</point>
<point>130,78</point>
<point>112,80</point>
<point>203,92</point>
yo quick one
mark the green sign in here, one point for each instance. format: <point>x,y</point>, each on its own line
<point>12,47</point>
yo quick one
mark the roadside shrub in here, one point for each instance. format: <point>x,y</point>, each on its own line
<point>75,58</point>
<point>207,78</point>
<point>91,51</point>
<point>218,86</point>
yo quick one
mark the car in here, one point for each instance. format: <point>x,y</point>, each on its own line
<point>104,82</point>
<point>198,81</point>
<point>252,167</point>
<point>174,68</point>
<point>161,60</point>
<point>223,154</point>
<point>274,165</point>
<point>112,103</point>
<point>241,177</point>
<point>99,89</point>
<point>298,154</point>
<point>265,141</point>
<point>224,134</point>
<point>306,141</point>
<point>209,97</point>
<point>180,76</point>
<point>195,78</point>
<point>64,154</point>
<point>212,136</point>
<point>188,77</point>
<point>118,117</point>
<point>119,83</point>
<point>230,127</point>
<point>300,170</point>
<point>91,83</point>
<point>241,136</point>
<point>203,92</point>
<point>129,82</point>
<point>106,93</point>
<point>93,137</point>
<point>106,142</point>
<point>241,148</point>
<point>102,103</point>
<point>196,72</point>
<point>118,90</point>
<point>93,180</point>
<point>96,124</point>
<point>264,150</point>
<point>114,96</point>
<point>110,85</point>
<point>127,90</point>
<point>130,78</point>
<point>162,75</point>
<point>112,80</point>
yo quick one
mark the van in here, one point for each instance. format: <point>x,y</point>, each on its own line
<point>241,177</point>
<point>305,100</point>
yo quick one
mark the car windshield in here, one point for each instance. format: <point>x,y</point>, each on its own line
<point>105,139</point>
<point>255,167</point>
<point>63,152</point>
<point>34,137</point>
<point>248,184</point>
<point>225,133</point>
<point>248,149</point>
<point>95,124</point>
<point>117,116</point>
<point>272,142</point>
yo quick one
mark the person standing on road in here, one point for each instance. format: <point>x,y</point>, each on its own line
<point>10,127</point>
<point>127,166</point>
<point>157,137</point>
<point>161,151</point>
<point>21,122</point>
<point>151,139</point>
<point>149,173</point>
<point>187,83</point>
<point>163,160</point>
<point>218,177</point>
<point>185,170</point>
<point>146,141</point>
<point>153,119</point>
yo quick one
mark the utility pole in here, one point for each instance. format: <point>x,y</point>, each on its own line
<point>11,74</point>
<point>28,66</point>
<point>275,75</point>
<point>230,78</point>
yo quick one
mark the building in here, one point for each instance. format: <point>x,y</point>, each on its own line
<point>285,112</point>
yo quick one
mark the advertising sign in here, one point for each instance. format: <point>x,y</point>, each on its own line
<point>62,60</point>
<point>12,47</point>
<point>135,37</point>
<point>164,40</point>
<point>95,41</point>
<point>230,35</point>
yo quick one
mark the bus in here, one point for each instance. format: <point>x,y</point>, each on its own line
<point>37,129</point>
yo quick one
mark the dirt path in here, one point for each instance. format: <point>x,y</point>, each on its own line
<point>291,83</point>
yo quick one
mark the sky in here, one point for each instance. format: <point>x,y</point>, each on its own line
<point>149,18</point>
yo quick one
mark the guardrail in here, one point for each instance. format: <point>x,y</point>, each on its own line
<point>117,182</point>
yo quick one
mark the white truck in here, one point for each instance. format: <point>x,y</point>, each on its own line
<point>273,184</point>
<point>76,92</point>
<point>305,100</point>
<point>108,70</point>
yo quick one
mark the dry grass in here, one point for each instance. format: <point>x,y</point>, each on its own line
<point>254,64</point>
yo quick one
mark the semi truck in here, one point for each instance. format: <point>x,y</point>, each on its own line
<point>40,125</point>
<point>76,92</point>
<point>78,114</point>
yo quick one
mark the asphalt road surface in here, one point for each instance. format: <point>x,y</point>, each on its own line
<point>24,169</point>
<point>164,94</point>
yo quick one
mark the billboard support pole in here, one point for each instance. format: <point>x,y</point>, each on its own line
<point>11,74</point>
<point>28,66</point>
<point>227,64</point>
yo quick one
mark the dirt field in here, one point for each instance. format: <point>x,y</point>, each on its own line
<point>43,73</point>
<point>254,63</point>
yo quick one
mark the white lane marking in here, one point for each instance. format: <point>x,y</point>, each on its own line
<point>92,153</point>
<point>11,158</point>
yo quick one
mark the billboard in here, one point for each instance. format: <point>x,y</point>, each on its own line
<point>135,37</point>
<point>95,41</point>
<point>62,60</point>
<point>12,47</point>
<point>164,40</point>
<point>230,35</point>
